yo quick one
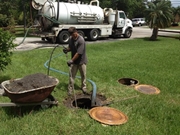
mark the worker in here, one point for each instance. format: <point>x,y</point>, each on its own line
<point>77,47</point>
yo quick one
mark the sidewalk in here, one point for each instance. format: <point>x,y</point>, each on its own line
<point>31,43</point>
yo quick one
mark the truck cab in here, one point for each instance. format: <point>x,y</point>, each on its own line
<point>123,25</point>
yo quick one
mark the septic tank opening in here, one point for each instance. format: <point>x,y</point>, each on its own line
<point>128,81</point>
<point>83,103</point>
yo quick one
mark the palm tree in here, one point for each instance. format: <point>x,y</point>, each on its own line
<point>158,15</point>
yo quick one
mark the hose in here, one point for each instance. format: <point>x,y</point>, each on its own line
<point>57,10</point>
<point>51,58</point>
<point>25,35</point>
<point>47,65</point>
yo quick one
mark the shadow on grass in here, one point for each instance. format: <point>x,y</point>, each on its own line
<point>175,37</point>
<point>148,38</point>
<point>20,111</point>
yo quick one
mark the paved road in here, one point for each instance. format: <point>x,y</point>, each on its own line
<point>31,43</point>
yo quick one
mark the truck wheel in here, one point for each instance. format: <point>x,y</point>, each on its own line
<point>93,35</point>
<point>63,37</point>
<point>81,33</point>
<point>128,33</point>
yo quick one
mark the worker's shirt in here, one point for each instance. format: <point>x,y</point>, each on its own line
<point>78,46</point>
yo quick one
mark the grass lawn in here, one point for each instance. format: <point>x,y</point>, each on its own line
<point>154,63</point>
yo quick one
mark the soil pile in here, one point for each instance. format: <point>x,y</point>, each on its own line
<point>29,82</point>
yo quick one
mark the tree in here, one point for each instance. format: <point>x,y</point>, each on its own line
<point>158,15</point>
<point>176,13</point>
<point>6,13</point>
<point>6,44</point>
<point>133,8</point>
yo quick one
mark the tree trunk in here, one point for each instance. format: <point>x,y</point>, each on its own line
<point>154,34</point>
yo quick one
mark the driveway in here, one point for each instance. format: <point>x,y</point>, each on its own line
<point>30,43</point>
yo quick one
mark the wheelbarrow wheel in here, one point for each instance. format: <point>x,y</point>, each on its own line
<point>48,99</point>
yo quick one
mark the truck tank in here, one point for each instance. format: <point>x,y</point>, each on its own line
<point>71,13</point>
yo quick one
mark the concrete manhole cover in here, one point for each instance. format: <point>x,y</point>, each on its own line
<point>108,115</point>
<point>147,89</point>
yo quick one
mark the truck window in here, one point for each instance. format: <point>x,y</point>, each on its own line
<point>121,15</point>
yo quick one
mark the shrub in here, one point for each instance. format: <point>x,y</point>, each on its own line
<point>6,46</point>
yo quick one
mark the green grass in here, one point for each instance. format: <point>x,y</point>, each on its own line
<point>154,63</point>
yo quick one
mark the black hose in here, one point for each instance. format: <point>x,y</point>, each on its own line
<point>51,58</point>
<point>57,10</point>
<point>25,35</point>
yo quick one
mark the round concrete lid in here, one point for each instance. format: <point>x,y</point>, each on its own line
<point>147,89</point>
<point>107,115</point>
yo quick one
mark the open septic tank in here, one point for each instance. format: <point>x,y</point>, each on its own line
<point>83,101</point>
<point>143,88</point>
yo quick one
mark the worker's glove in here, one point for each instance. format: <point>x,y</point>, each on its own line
<point>69,62</point>
<point>65,50</point>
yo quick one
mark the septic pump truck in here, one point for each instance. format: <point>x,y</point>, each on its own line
<point>91,21</point>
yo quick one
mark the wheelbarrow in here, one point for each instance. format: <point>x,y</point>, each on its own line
<point>32,97</point>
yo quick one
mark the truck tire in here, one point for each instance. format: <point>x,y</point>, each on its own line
<point>93,35</point>
<point>128,33</point>
<point>63,37</point>
<point>81,33</point>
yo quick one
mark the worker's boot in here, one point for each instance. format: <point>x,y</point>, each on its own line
<point>84,90</point>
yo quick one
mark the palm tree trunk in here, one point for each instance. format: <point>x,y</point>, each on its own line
<point>154,34</point>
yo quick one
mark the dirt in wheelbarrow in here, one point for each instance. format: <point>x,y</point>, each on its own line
<point>29,82</point>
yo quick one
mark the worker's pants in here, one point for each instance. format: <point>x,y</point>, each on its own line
<point>72,74</point>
